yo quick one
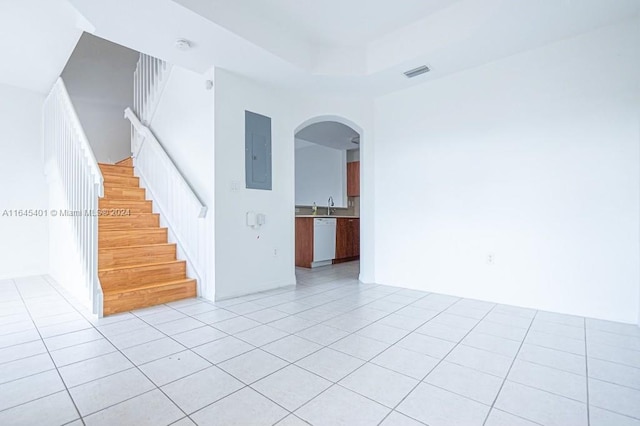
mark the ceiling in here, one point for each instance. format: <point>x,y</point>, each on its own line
<point>327,133</point>
<point>36,39</point>
<point>101,71</point>
<point>329,23</point>
<point>326,48</point>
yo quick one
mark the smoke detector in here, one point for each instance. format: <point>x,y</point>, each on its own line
<point>417,71</point>
<point>182,44</point>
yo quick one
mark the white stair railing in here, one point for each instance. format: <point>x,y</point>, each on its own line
<point>172,196</point>
<point>76,184</point>
<point>149,79</point>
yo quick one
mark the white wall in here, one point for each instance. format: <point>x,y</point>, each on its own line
<point>245,260</point>
<point>183,124</point>
<point>108,132</point>
<point>534,160</point>
<point>24,240</point>
<point>320,173</point>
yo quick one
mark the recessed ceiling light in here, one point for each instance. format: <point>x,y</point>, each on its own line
<point>182,44</point>
<point>417,71</point>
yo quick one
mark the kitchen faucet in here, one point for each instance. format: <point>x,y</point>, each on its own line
<point>329,205</point>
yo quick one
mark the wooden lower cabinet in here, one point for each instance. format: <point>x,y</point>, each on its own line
<point>304,242</point>
<point>347,239</point>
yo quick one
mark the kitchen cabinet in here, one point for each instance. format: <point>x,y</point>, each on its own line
<point>353,179</point>
<point>304,242</point>
<point>347,239</point>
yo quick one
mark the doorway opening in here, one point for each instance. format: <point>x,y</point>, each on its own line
<point>327,200</point>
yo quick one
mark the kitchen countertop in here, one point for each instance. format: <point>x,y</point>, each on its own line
<point>324,216</point>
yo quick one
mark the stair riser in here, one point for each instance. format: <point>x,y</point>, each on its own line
<point>126,301</point>
<point>123,193</point>
<point>132,237</point>
<point>125,256</point>
<point>107,223</point>
<point>134,206</point>
<point>126,162</point>
<point>116,170</point>
<point>146,274</point>
<point>118,180</point>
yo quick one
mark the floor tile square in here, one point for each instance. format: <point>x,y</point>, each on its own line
<point>600,417</point>
<point>82,352</point>
<point>245,407</point>
<point>330,364</point>
<point>624,356</point>
<point>173,367</point>
<point>150,409</point>
<point>151,351</point>
<point>481,360</point>
<point>212,317</point>
<point>553,358</point>
<point>501,418</point>
<point>614,373</point>
<point>292,324</point>
<point>23,350</point>
<point>383,333</point>
<point>340,406</point>
<point>200,389</point>
<point>540,406</point>
<point>266,315</point>
<point>199,336</point>
<point>72,339</point>
<point>252,366</point>
<point>501,330</point>
<point>616,398</point>
<point>410,363</point>
<point>135,337</point>
<point>102,393</point>
<point>549,379</point>
<point>360,347</point>
<point>442,331</point>
<point>291,348</point>
<point>438,407</point>
<point>291,387</point>
<point>55,409</point>
<point>261,335</point>
<point>94,368</point>
<point>322,334</point>
<point>491,343</point>
<point>222,349</point>
<point>25,367</point>
<point>426,345</point>
<point>473,384</point>
<point>397,419</point>
<point>553,341</point>
<point>29,388</point>
<point>380,384</point>
<point>236,325</point>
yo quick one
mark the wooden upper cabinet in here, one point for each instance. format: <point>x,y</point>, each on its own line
<point>353,179</point>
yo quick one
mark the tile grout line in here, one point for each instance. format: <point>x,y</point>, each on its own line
<point>439,362</point>
<point>134,366</point>
<point>66,388</point>
<point>515,357</point>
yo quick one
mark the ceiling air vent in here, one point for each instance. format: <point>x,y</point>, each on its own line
<point>417,71</point>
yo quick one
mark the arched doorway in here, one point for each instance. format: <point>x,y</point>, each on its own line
<point>327,199</point>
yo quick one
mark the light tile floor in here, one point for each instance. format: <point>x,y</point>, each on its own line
<point>330,351</point>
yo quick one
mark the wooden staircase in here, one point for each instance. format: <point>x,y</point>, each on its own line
<point>137,267</point>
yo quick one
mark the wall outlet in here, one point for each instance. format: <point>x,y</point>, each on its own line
<point>490,259</point>
<point>275,252</point>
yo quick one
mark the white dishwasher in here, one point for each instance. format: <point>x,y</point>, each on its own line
<point>324,241</point>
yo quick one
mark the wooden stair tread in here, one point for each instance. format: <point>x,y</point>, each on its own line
<point>149,264</point>
<point>150,286</point>
<point>138,246</point>
<point>137,266</point>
